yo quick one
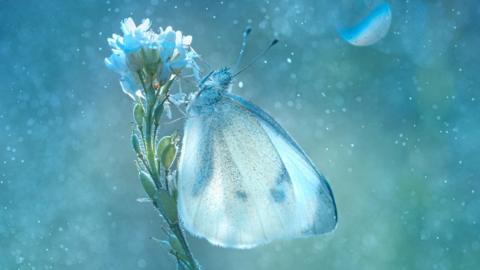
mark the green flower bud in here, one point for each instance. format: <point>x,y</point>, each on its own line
<point>157,113</point>
<point>136,144</point>
<point>148,185</point>
<point>138,114</point>
<point>168,156</point>
<point>151,58</point>
<point>162,144</point>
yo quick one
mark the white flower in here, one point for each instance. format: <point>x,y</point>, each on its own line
<point>176,53</point>
<point>153,56</point>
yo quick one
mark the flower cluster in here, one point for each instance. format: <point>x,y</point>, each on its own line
<point>143,57</point>
<point>148,63</point>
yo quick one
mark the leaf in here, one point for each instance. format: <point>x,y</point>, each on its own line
<point>175,243</point>
<point>168,205</point>
<point>144,200</point>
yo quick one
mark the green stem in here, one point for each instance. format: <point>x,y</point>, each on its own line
<point>175,227</point>
<point>149,143</point>
<point>178,232</point>
<point>183,255</point>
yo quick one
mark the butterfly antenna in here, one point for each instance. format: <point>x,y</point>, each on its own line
<point>205,78</point>
<point>256,58</point>
<point>246,33</point>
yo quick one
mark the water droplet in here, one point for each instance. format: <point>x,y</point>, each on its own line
<point>371,29</point>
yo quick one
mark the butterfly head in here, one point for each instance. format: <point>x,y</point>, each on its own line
<point>219,80</point>
<point>212,86</point>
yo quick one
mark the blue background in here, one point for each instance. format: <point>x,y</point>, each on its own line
<point>395,127</point>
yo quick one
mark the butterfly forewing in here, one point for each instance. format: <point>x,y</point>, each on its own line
<point>243,181</point>
<point>306,178</point>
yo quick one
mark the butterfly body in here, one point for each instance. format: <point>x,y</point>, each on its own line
<point>211,88</point>
<point>242,180</point>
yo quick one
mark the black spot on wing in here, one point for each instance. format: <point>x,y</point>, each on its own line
<point>241,195</point>
<point>283,177</point>
<point>278,195</point>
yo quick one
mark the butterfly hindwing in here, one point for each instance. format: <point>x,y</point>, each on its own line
<point>305,176</point>
<point>243,181</point>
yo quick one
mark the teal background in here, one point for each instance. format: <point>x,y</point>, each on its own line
<point>395,127</point>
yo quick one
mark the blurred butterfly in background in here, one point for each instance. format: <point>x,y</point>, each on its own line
<point>242,180</point>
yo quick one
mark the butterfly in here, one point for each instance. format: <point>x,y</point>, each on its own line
<point>242,180</point>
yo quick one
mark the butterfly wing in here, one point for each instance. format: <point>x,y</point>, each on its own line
<point>243,181</point>
<point>302,171</point>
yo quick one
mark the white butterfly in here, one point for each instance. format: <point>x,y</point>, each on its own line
<point>242,180</point>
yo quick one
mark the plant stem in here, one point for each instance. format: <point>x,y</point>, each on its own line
<point>182,253</point>
<point>175,228</point>
<point>181,237</point>
<point>149,148</point>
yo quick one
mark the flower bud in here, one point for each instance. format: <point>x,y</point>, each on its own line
<point>167,151</point>
<point>136,144</point>
<point>168,156</point>
<point>163,143</point>
<point>157,113</point>
<point>141,55</point>
<point>152,61</point>
<point>138,114</point>
<point>148,184</point>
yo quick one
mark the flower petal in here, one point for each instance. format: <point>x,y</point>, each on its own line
<point>131,44</point>
<point>128,26</point>
<point>144,26</point>
<point>129,86</point>
<point>141,49</point>
<point>178,38</point>
<point>165,74</point>
<point>187,40</point>
<point>168,44</point>
<point>116,62</point>
<point>178,64</point>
